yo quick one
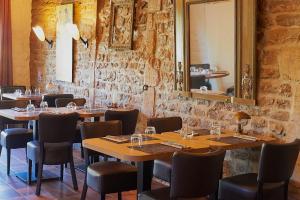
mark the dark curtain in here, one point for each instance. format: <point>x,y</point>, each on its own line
<point>5,44</point>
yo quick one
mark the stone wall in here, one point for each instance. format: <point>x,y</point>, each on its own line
<point>152,61</point>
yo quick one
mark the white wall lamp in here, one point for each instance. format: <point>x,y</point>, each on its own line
<point>74,32</point>
<point>39,32</point>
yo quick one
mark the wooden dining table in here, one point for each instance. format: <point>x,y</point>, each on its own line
<point>14,96</point>
<point>159,148</point>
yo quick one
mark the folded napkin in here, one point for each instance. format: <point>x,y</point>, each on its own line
<point>174,144</point>
<point>19,109</point>
<point>246,137</point>
<point>116,138</point>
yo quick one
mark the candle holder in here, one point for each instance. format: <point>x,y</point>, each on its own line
<point>242,119</point>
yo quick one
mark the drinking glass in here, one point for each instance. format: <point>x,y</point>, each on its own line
<point>37,91</point>
<point>18,92</point>
<point>27,92</point>
<point>150,130</point>
<point>216,129</point>
<point>136,140</point>
<point>71,106</point>
<point>44,106</point>
<point>30,107</point>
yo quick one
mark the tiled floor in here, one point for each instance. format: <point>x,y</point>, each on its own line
<point>14,189</point>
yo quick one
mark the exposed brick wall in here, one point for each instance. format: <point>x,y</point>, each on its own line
<point>153,58</point>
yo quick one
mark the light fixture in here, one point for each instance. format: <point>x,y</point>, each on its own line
<point>41,35</point>
<point>74,32</point>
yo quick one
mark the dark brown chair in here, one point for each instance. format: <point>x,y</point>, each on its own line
<point>63,102</point>
<point>106,177</point>
<point>13,138</point>
<point>56,134</point>
<point>96,130</point>
<point>193,176</point>
<point>162,168</point>
<point>128,119</point>
<point>12,89</point>
<point>50,98</point>
<point>276,166</point>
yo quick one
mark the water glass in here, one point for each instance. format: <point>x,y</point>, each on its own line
<point>37,91</point>
<point>44,106</point>
<point>136,140</point>
<point>71,106</point>
<point>30,107</point>
<point>150,130</point>
<point>216,129</point>
<point>18,92</point>
<point>27,92</point>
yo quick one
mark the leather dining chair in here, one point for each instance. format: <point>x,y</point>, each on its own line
<point>13,138</point>
<point>128,119</point>
<point>106,176</point>
<point>162,168</point>
<point>194,175</point>
<point>276,166</point>
<point>99,129</point>
<point>63,102</point>
<point>50,98</point>
<point>54,147</point>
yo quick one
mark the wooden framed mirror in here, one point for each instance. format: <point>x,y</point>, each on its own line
<point>215,49</point>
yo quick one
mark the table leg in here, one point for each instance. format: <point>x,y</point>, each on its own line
<point>145,173</point>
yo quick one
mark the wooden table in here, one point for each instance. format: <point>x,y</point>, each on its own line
<point>145,160</point>
<point>14,96</point>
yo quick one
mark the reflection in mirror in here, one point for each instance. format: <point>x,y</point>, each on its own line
<point>212,47</point>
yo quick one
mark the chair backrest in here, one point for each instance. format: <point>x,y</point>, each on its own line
<point>50,98</point>
<point>8,104</point>
<point>57,128</point>
<point>198,81</point>
<point>277,162</point>
<point>100,129</point>
<point>165,124</point>
<point>12,89</point>
<point>63,102</point>
<point>196,175</point>
<point>128,119</point>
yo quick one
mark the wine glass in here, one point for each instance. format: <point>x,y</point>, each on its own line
<point>150,130</point>
<point>30,107</point>
<point>37,91</point>
<point>44,106</point>
<point>27,92</point>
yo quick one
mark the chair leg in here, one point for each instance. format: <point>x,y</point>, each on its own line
<point>0,149</point>
<point>61,172</point>
<point>102,196</point>
<point>84,190</point>
<point>8,161</point>
<point>29,171</point>
<point>66,165</point>
<point>119,195</point>
<point>39,179</point>
<point>72,168</point>
<point>81,150</point>
<point>286,190</point>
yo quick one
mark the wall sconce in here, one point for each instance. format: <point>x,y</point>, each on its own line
<point>74,32</point>
<point>41,35</point>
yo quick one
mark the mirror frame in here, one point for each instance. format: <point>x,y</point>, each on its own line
<point>245,68</point>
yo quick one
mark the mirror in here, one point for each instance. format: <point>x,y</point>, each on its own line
<point>215,49</point>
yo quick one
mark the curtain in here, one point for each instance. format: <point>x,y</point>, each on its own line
<point>5,44</point>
